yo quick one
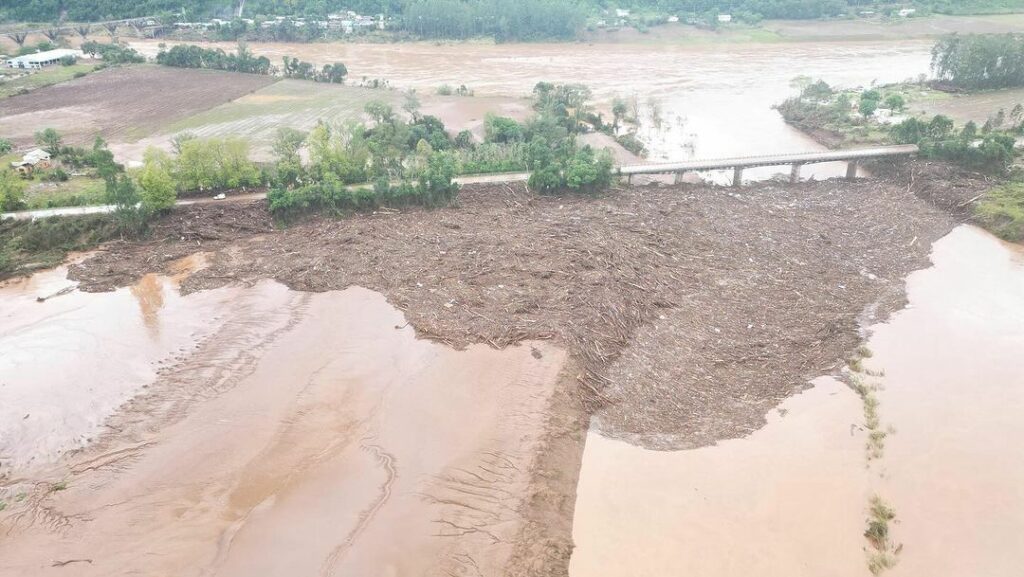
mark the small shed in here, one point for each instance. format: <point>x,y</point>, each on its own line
<point>33,159</point>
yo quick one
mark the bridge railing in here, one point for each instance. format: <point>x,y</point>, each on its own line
<point>796,160</point>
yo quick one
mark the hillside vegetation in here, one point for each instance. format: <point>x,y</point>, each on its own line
<point>488,14</point>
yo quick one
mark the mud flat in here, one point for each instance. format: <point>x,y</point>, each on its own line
<point>792,498</point>
<point>307,434</point>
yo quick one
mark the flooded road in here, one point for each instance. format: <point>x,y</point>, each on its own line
<point>712,101</point>
<point>792,498</point>
<point>300,434</point>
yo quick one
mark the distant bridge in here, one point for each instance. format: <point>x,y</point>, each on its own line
<point>796,161</point>
<point>677,168</point>
<point>19,35</point>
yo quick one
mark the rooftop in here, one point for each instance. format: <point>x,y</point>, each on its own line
<point>48,56</point>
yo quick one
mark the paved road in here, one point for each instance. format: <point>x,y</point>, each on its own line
<point>105,208</point>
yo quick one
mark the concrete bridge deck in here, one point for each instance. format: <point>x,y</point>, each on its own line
<point>796,160</point>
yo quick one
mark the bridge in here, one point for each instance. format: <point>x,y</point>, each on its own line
<point>796,161</point>
<point>19,35</point>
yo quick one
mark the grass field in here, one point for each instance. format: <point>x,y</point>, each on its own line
<point>295,103</point>
<point>301,104</point>
<point>78,191</point>
<point>45,77</point>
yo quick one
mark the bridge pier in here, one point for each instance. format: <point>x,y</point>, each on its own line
<point>794,174</point>
<point>678,177</point>
<point>851,170</point>
<point>737,176</point>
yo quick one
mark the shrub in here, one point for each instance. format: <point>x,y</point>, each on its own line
<point>433,188</point>
<point>128,215</point>
<point>113,53</point>
<point>57,175</point>
<point>566,167</point>
<point>501,129</point>
<point>45,242</point>
<point>1002,211</point>
<point>12,190</point>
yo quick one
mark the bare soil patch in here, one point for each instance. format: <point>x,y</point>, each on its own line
<point>123,103</point>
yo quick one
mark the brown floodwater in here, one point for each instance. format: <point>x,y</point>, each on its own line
<point>304,435</point>
<point>713,100</point>
<point>792,498</point>
<point>954,391</point>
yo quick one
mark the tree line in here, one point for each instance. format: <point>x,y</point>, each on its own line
<point>509,18</point>
<point>243,60</point>
<point>411,159</point>
<point>980,61</point>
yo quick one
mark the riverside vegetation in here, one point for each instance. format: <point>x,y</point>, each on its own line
<point>398,160</point>
<point>971,62</point>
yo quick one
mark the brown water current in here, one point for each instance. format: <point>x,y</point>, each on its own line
<point>703,101</point>
<point>792,498</point>
<point>304,435</point>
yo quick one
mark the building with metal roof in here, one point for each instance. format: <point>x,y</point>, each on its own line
<point>41,59</point>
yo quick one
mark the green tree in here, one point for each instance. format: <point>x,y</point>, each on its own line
<point>287,143</point>
<point>50,140</point>
<point>5,146</point>
<point>156,181</point>
<point>818,91</point>
<point>12,190</point>
<point>895,102</point>
<point>128,214</point>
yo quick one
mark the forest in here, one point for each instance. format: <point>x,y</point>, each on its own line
<point>980,61</point>
<point>496,17</point>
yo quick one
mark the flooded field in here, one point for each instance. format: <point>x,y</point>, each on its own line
<point>277,432</point>
<point>698,101</point>
<point>792,499</point>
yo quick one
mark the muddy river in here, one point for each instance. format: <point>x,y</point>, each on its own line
<point>255,431</point>
<point>712,101</point>
<point>792,498</point>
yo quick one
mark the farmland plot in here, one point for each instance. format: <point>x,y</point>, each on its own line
<point>121,104</point>
<point>301,104</point>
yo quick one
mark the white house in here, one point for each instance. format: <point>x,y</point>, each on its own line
<point>41,59</point>
<point>907,12</point>
<point>724,18</point>
<point>622,13</point>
